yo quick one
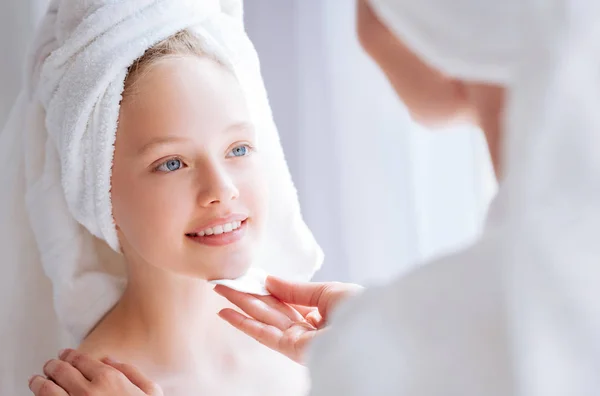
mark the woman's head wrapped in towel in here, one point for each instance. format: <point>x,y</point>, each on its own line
<point>67,217</point>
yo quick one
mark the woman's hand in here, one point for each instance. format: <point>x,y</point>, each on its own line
<point>76,374</point>
<point>291,317</point>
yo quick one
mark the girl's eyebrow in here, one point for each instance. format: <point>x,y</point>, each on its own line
<point>160,141</point>
<point>240,126</point>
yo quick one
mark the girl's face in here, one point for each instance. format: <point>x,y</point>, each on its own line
<point>188,190</point>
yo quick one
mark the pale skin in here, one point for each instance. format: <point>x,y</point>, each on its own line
<point>296,313</point>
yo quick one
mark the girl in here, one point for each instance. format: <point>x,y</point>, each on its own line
<point>189,186</point>
<point>190,205</point>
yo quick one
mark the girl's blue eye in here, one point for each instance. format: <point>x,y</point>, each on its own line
<point>170,165</point>
<point>240,151</point>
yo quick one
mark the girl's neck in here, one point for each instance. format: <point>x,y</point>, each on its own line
<point>167,326</point>
<point>168,321</point>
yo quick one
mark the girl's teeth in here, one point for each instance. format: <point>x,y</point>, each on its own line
<point>221,229</point>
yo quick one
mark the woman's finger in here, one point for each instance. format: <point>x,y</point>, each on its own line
<point>314,318</point>
<point>299,293</point>
<point>284,308</point>
<point>66,376</point>
<point>41,386</point>
<point>136,377</point>
<point>324,296</point>
<point>304,311</point>
<point>267,335</point>
<point>255,307</point>
<point>311,315</point>
<point>89,367</point>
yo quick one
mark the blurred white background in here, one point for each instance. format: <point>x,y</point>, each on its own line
<point>380,193</point>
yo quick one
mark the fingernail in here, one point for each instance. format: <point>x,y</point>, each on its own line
<point>33,380</point>
<point>48,366</point>
<point>62,353</point>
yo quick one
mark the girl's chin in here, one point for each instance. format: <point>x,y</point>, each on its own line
<point>232,272</point>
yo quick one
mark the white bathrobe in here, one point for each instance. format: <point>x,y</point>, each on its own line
<point>518,313</point>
